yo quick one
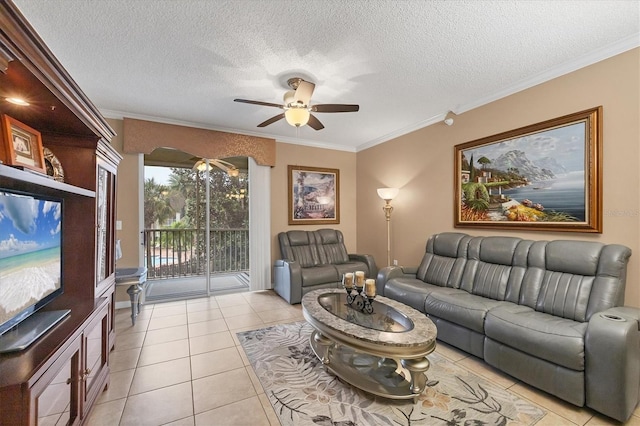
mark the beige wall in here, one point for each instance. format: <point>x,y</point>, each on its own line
<point>129,184</point>
<point>297,155</point>
<point>421,164</point>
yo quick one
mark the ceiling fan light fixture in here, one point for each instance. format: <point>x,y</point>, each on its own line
<point>230,169</point>
<point>201,165</point>
<point>289,97</point>
<point>297,116</point>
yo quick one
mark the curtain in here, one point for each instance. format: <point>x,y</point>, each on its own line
<point>259,226</point>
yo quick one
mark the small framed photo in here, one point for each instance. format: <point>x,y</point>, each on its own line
<point>314,195</point>
<point>21,145</point>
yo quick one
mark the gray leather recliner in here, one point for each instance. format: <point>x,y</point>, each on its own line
<point>315,259</point>
<point>549,313</point>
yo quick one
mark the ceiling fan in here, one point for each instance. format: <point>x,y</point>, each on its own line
<point>297,110</point>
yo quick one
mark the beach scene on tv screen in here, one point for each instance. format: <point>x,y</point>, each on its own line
<point>30,240</point>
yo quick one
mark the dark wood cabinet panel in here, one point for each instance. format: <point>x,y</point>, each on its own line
<point>58,378</point>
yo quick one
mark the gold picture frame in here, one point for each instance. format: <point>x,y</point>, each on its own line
<point>21,145</point>
<point>314,195</point>
<point>542,177</point>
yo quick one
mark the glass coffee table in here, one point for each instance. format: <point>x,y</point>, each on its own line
<point>383,353</point>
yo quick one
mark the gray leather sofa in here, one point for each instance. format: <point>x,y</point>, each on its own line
<point>315,259</point>
<point>549,313</point>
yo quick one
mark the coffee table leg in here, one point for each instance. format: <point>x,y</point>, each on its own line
<point>323,345</point>
<point>417,368</point>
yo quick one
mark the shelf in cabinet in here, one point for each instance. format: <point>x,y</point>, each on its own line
<point>21,179</point>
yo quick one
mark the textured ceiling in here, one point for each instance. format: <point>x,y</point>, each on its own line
<point>406,63</point>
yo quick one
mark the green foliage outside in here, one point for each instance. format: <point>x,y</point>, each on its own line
<point>185,194</point>
<point>184,197</point>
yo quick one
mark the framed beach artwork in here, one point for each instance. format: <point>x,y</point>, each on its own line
<point>314,195</point>
<point>544,177</point>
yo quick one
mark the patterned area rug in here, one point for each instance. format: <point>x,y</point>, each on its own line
<point>302,392</point>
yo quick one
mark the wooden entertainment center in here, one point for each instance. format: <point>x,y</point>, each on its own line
<point>57,379</point>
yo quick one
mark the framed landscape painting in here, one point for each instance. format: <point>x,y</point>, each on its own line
<point>547,176</point>
<point>313,195</point>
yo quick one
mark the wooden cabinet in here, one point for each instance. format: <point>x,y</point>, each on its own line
<point>95,357</point>
<point>106,172</point>
<point>54,397</point>
<point>57,379</point>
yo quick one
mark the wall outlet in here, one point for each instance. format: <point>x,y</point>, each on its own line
<point>118,225</point>
<point>395,262</point>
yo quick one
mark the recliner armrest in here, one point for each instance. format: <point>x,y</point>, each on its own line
<point>389,272</point>
<point>369,260</point>
<point>409,271</point>
<point>287,277</point>
<point>612,362</point>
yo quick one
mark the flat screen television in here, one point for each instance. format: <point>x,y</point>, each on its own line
<point>30,257</point>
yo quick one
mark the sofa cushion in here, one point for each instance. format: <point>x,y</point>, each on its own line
<point>498,250</point>
<point>448,244</point>
<point>444,260</point>
<point>565,295</point>
<point>410,291</point>
<point>299,246</point>
<point>460,307</point>
<point>557,340</point>
<point>573,257</point>
<point>331,248</point>
<point>495,267</point>
<point>320,274</point>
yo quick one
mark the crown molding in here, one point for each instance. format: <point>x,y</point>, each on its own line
<point>120,115</point>
<point>315,144</point>
<point>401,132</point>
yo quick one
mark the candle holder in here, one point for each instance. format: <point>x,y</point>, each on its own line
<point>360,300</point>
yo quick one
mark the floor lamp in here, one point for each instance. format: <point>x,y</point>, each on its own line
<point>388,194</point>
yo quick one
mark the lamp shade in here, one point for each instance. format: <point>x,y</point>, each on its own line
<point>201,165</point>
<point>388,193</point>
<point>297,116</point>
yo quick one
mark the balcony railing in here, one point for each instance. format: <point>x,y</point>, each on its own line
<point>172,253</point>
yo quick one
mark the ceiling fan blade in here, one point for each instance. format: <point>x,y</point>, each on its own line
<point>304,92</point>
<point>271,120</point>
<point>269,104</point>
<point>335,108</point>
<point>314,123</point>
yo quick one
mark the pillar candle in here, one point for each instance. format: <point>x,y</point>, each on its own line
<point>370,287</point>
<point>348,280</point>
<point>360,279</point>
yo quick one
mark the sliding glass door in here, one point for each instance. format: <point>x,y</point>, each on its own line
<point>196,229</point>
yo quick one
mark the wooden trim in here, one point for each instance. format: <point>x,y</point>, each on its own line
<point>30,49</point>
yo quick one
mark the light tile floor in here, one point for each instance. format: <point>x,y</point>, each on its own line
<point>182,364</point>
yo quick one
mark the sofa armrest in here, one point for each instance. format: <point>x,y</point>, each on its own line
<point>287,276</point>
<point>369,260</point>
<point>389,272</point>
<point>612,362</point>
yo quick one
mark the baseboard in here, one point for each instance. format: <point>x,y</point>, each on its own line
<point>123,305</point>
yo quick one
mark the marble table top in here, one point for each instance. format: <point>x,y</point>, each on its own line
<point>423,333</point>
